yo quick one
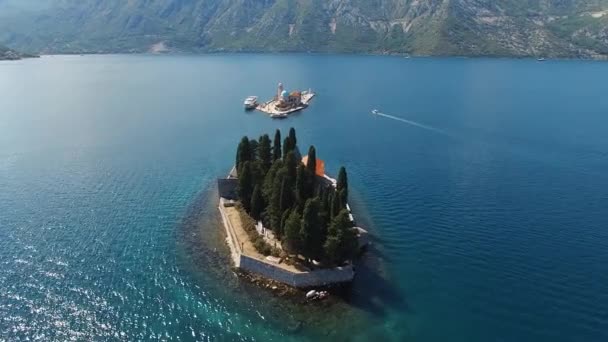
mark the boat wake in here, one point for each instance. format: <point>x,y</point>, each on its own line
<point>410,122</point>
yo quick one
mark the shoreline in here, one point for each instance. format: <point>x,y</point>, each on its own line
<point>333,53</point>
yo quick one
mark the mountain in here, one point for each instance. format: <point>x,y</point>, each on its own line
<point>549,28</point>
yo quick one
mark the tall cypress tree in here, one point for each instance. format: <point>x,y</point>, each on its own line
<point>311,165</point>
<point>342,185</point>
<point>301,180</point>
<point>292,137</point>
<point>276,147</point>
<point>280,232</point>
<point>286,147</point>
<point>245,188</point>
<point>257,203</point>
<point>335,205</point>
<point>286,196</point>
<point>274,207</point>
<point>341,243</point>
<point>292,232</point>
<point>290,142</point>
<point>269,179</point>
<point>243,153</point>
<point>265,152</point>
<point>291,166</point>
<point>253,149</point>
<point>311,235</point>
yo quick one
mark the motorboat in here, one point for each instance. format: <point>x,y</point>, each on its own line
<point>251,102</point>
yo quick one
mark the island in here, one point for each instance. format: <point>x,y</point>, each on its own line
<point>284,102</point>
<point>285,219</point>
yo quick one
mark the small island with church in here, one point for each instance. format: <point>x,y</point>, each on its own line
<point>283,103</point>
<point>286,220</point>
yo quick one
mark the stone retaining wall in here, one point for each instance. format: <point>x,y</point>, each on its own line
<point>269,270</point>
<point>300,279</point>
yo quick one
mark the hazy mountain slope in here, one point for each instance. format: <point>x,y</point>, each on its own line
<point>434,27</point>
<point>9,54</point>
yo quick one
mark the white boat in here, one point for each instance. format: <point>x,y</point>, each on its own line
<point>279,115</point>
<point>375,112</point>
<point>251,102</point>
<point>541,59</point>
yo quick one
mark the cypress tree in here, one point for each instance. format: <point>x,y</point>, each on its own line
<point>253,149</point>
<point>269,179</point>
<point>290,142</point>
<point>335,205</point>
<point>341,243</point>
<point>325,200</point>
<point>257,203</point>
<point>311,234</point>
<point>301,180</point>
<point>311,165</point>
<point>276,147</point>
<point>281,230</point>
<point>291,165</point>
<point>274,207</point>
<point>286,147</point>
<point>325,208</point>
<point>292,232</point>
<point>243,153</point>
<point>292,137</point>
<point>342,200</point>
<point>342,183</point>
<point>286,200</point>
<point>265,152</point>
<point>245,188</point>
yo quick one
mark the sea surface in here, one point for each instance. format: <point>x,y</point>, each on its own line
<point>483,182</point>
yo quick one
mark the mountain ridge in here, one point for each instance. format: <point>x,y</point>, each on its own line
<point>516,28</point>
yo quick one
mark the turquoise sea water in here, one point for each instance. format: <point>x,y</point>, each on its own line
<point>485,189</point>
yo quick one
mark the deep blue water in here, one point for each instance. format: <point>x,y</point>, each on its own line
<point>490,226</point>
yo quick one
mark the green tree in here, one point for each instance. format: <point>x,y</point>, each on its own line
<point>253,149</point>
<point>286,196</point>
<point>277,165</point>
<point>301,183</point>
<point>342,200</point>
<point>284,219</point>
<point>290,143</point>
<point>335,205</point>
<point>292,232</point>
<point>245,188</point>
<point>311,233</point>
<point>292,137</point>
<point>311,165</point>
<point>276,147</point>
<point>264,152</point>
<point>342,183</point>
<point>291,165</point>
<point>243,153</point>
<point>341,243</point>
<point>325,212</point>
<point>257,203</point>
<point>274,207</point>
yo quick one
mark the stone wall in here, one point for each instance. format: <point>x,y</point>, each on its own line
<point>269,270</point>
<point>300,279</point>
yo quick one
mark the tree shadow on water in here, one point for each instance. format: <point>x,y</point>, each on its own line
<point>370,291</point>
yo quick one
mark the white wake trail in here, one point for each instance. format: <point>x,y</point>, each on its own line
<point>413,123</point>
